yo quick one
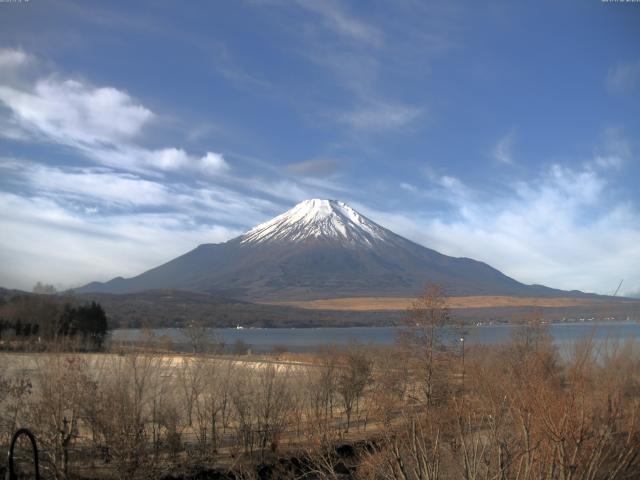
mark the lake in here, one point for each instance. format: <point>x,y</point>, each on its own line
<point>300,339</point>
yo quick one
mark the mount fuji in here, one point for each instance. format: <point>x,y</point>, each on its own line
<point>320,249</point>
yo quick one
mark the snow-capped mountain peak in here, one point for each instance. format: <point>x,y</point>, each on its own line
<point>318,219</point>
<point>319,249</point>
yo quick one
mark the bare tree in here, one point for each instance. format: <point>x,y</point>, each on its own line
<point>321,384</point>
<point>273,403</point>
<point>353,377</point>
<point>390,385</point>
<point>15,392</point>
<point>198,336</point>
<point>56,409</point>
<point>126,397</point>
<point>242,399</point>
<point>213,408</point>
<point>426,318</point>
<point>413,451</point>
<point>190,376</point>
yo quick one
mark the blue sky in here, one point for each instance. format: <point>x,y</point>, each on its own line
<point>505,131</point>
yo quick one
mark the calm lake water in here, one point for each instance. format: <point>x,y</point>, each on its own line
<point>297,339</point>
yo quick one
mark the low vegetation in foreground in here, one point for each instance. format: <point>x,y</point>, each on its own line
<point>420,410</point>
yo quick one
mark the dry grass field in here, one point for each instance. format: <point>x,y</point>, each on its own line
<point>402,303</point>
<point>356,412</point>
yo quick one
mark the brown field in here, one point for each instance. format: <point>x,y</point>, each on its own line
<point>402,303</point>
<point>357,412</point>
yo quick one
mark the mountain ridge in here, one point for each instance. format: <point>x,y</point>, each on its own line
<point>321,249</point>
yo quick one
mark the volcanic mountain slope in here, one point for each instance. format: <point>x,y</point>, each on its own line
<point>321,249</point>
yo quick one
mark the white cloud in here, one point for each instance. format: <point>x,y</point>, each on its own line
<point>142,160</point>
<point>72,113</point>
<point>213,163</point>
<point>540,231</point>
<point>166,158</point>
<point>88,189</point>
<point>549,230</point>
<point>11,59</point>
<point>408,187</point>
<point>131,158</point>
<point>102,123</point>
<point>503,150</point>
<point>103,186</point>
<point>43,240</point>
<point>623,78</point>
<point>568,187</point>
<point>451,183</point>
<point>75,225</point>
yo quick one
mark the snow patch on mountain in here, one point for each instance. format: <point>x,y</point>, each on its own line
<point>318,219</point>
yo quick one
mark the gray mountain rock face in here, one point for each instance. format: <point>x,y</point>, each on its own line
<point>320,249</point>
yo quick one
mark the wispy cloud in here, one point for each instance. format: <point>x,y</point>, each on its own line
<point>623,78</point>
<point>316,167</point>
<point>616,143</point>
<point>503,150</point>
<point>614,151</point>
<point>354,54</point>
<point>336,19</point>
<point>377,117</point>
<point>44,239</point>
<point>143,160</point>
<point>408,187</point>
<point>11,59</point>
<point>550,229</point>
<point>120,223</point>
<point>90,186</point>
<point>79,188</point>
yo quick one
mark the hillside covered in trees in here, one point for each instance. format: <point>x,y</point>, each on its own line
<point>46,318</point>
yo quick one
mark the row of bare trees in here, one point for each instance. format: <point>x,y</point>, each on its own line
<point>516,411</point>
<point>524,411</point>
<point>129,414</point>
